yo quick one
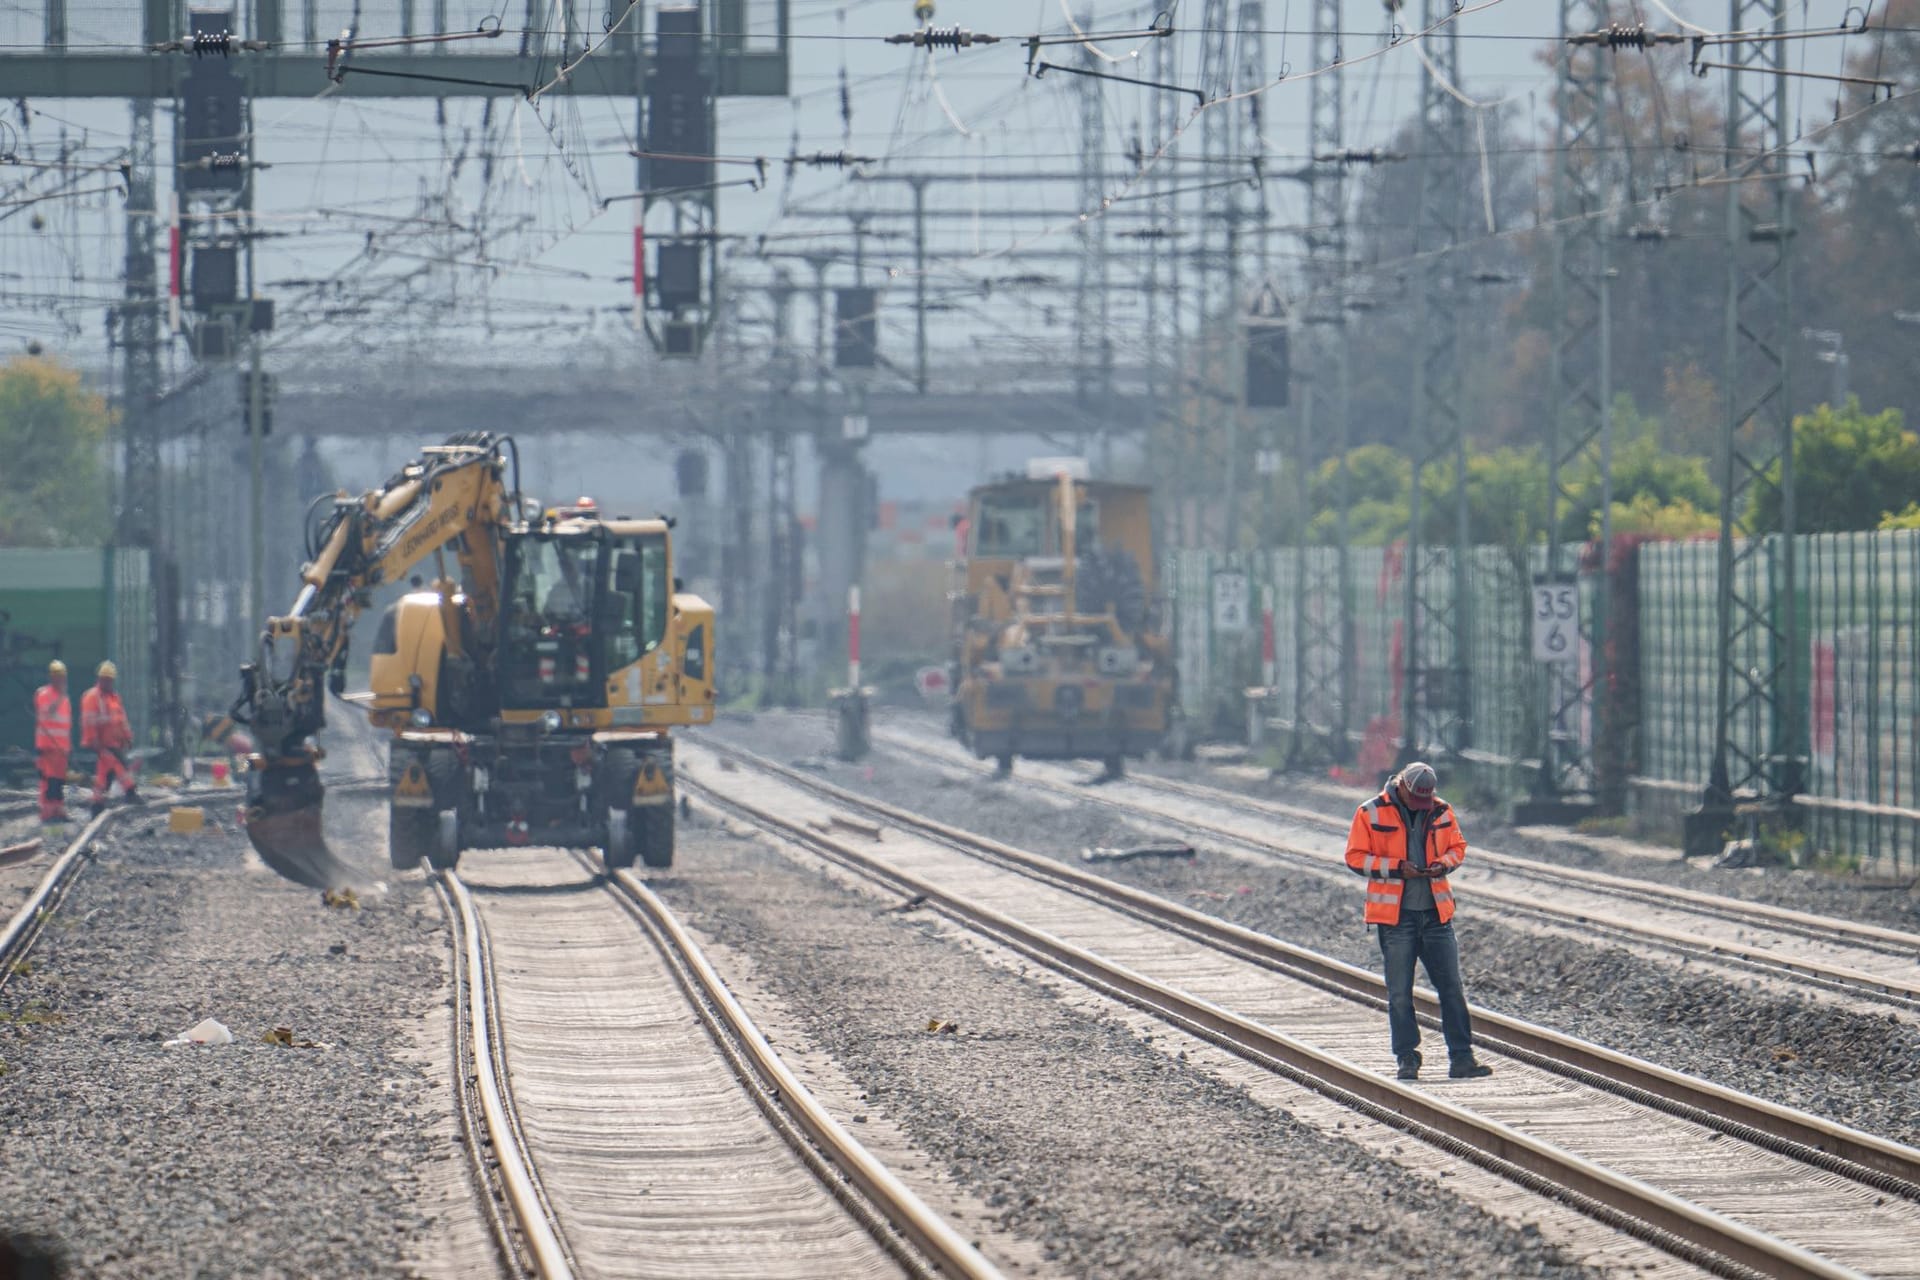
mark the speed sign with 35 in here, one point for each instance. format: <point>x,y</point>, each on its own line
<point>1556,621</point>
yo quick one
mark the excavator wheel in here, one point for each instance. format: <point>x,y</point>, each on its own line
<point>443,849</point>
<point>653,835</point>
<point>410,834</point>
<point>618,852</point>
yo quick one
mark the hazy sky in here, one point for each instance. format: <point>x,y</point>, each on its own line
<point>529,265</point>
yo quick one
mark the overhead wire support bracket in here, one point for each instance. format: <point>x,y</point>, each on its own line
<point>489,29</point>
<point>1781,37</point>
<point>755,184</point>
<point>1700,70</point>
<point>1040,70</point>
<point>340,53</point>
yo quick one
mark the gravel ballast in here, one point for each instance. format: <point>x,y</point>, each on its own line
<point>1858,1068</point>
<point>1118,1159</point>
<point>246,1159</point>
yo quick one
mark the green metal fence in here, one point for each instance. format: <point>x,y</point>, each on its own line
<point>81,605</point>
<point>1858,613</point>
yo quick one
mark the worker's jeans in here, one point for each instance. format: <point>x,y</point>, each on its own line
<point>1420,936</point>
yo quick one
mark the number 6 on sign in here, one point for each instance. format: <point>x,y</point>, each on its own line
<point>1556,621</point>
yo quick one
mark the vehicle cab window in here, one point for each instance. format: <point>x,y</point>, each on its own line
<point>638,595</point>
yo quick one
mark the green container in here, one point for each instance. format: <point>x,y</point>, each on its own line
<point>81,605</point>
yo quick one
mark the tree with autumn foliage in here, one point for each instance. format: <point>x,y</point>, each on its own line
<point>53,438</point>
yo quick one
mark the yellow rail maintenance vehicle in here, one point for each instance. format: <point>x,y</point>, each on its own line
<point>530,698</point>
<point>1057,655</point>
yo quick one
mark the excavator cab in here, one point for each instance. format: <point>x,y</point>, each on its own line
<point>583,606</point>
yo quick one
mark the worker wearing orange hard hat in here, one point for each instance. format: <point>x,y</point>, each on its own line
<point>104,728</point>
<point>53,742</point>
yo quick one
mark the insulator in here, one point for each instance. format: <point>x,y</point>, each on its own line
<point>208,43</point>
<point>943,37</point>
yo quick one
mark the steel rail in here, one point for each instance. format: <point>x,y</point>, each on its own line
<point>513,1161</point>
<point>25,925</point>
<point>1687,1230</point>
<point>486,1176</point>
<point>896,1203</point>
<point>1815,1140</point>
<point>1826,975</point>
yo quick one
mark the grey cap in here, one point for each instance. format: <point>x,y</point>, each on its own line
<point>1416,785</point>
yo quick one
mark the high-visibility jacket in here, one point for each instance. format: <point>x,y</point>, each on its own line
<point>103,721</point>
<point>1377,849</point>
<point>52,720</point>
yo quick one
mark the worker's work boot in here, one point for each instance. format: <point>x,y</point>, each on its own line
<point>1409,1067</point>
<point>1468,1069</point>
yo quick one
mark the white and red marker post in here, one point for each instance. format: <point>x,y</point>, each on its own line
<point>853,637</point>
<point>852,739</point>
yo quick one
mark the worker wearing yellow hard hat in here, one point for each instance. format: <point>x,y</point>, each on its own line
<point>104,728</point>
<point>53,742</point>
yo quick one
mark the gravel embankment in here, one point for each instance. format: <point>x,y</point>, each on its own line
<point>1857,1068</point>
<point>247,1159</point>
<point>1119,1160</point>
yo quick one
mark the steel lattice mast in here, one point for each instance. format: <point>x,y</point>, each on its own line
<point>1759,722</point>
<point>1436,691</point>
<point>1580,430</point>
<point>137,521</point>
<point>1217,218</point>
<point>1323,649</point>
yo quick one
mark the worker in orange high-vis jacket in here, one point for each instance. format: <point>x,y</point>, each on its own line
<point>53,742</point>
<point>104,728</point>
<point>1404,841</point>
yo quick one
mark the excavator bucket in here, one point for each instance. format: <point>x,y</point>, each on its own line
<point>283,823</point>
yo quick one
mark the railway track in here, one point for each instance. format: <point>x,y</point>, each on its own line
<point>1828,953</point>
<point>24,926</point>
<point>629,1117</point>
<point>1724,1180</point>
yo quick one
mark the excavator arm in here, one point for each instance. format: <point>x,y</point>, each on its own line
<point>453,493</point>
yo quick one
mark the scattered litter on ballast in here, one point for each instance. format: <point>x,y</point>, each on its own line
<point>185,820</point>
<point>1141,851</point>
<point>341,899</point>
<point>284,1037</point>
<point>914,903</point>
<point>205,1031</point>
<point>939,1026</point>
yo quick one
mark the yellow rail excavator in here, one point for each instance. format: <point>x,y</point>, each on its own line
<point>529,698</point>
